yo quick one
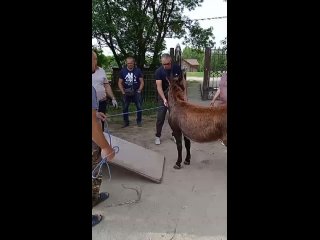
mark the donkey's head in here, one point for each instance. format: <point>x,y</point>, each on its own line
<point>177,80</point>
<point>176,88</point>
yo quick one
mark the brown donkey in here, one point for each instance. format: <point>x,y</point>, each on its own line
<point>200,124</point>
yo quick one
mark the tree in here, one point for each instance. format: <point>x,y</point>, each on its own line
<point>201,38</point>
<point>138,27</point>
<point>106,62</point>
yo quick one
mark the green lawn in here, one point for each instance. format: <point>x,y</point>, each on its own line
<point>194,74</point>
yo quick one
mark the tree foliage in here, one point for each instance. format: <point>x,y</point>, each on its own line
<point>106,62</point>
<point>138,27</point>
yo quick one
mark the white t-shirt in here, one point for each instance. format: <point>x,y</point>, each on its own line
<point>98,79</point>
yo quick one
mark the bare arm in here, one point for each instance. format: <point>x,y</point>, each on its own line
<point>109,90</point>
<point>107,86</point>
<point>141,84</point>
<point>110,93</point>
<point>161,93</point>
<point>98,136</point>
<point>215,96</point>
<point>120,85</point>
<point>159,89</point>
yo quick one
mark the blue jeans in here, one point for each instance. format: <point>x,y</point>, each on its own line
<point>137,100</point>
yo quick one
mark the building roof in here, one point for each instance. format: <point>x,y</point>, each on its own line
<point>192,61</point>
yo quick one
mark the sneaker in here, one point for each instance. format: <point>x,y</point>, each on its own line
<point>96,219</point>
<point>157,141</point>
<point>102,197</point>
<point>139,124</point>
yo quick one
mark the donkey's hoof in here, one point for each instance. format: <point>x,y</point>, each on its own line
<point>177,166</point>
<point>186,162</point>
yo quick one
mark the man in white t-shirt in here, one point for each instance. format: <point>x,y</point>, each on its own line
<point>102,87</point>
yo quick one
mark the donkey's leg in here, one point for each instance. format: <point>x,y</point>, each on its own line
<point>178,136</point>
<point>225,142</point>
<point>224,139</point>
<point>187,144</point>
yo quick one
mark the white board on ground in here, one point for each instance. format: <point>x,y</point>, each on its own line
<point>138,159</point>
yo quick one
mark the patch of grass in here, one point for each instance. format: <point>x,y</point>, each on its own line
<point>194,74</point>
<point>192,81</point>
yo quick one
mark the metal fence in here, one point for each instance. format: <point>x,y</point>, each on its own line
<point>219,65</point>
<point>218,61</point>
<point>149,93</point>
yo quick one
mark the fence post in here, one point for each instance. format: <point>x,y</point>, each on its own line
<point>206,76</point>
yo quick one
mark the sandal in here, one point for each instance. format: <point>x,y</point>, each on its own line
<point>102,196</point>
<point>96,219</point>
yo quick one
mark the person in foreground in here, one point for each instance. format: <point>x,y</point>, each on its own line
<point>100,150</point>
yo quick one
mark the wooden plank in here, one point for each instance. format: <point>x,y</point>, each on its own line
<point>140,160</point>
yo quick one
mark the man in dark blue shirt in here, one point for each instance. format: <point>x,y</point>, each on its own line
<point>131,84</point>
<point>163,74</point>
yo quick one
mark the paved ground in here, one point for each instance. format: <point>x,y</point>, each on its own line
<point>190,203</point>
